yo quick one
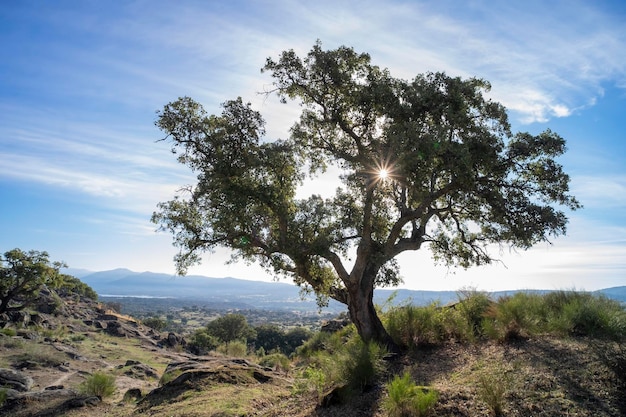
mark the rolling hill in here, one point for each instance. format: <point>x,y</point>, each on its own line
<point>253,294</point>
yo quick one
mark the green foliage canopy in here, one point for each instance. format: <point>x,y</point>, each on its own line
<point>22,274</point>
<point>455,178</point>
<point>230,328</point>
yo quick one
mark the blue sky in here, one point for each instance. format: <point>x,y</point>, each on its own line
<point>81,170</point>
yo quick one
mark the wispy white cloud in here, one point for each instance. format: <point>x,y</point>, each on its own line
<point>607,192</point>
<point>544,61</point>
<point>80,112</point>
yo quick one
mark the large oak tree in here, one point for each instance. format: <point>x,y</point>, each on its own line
<point>429,162</point>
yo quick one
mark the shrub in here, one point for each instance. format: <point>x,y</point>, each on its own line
<point>270,337</point>
<point>581,313</point>
<point>472,307</point>
<point>235,348</point>
<point>277,361</point>
<point>99,384</point>
<point>77,337</point>
<point>565,313</point>
<point>492,387</point>
<point>405,399</point>
<point>411,326</point>
<point>326,342</point>
<point>514,317</point>
<point>71,285</point>
<point>313,379</point>
<point>155,323</point>
<point>202,342</point>
<point>8,332</point>
<point>361,363</point>
<point>340,361</point>
<point>294,338</point>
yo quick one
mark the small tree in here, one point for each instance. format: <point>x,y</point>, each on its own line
<point>155,323</point>
<point>230,328</point>
<point>427,162</point>
<point>22,275</point>
<point>270,337</point>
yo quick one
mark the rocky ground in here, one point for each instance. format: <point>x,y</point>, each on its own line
<point>44,361</point>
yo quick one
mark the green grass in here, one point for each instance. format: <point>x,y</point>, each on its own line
<point>278,361</point>
<point>475,316</point>
<point>339,360</point>
<point>492,388</point>
<point>406,399</point>
<point>37,355</point>
<point>99,384</point>
<point>235,348</point>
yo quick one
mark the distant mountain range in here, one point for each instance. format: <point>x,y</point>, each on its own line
<point>252,294</point>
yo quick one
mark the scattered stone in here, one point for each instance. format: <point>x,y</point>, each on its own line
<point>28,334</point>
<point>19,318</point>
<point>173,340</point>
<point>133,394</point>
<point>332,326</point>
<point>54,387</point>
<point>141,371</point>
<point>108,317</point>
<point>80,402</point>
<point>15,379</point>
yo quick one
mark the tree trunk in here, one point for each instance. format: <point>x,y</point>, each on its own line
<point>364,316</point>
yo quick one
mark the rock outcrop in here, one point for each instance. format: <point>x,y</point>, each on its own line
<point>15,380</point>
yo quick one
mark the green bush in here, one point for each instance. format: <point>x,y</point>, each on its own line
<point>412,327</point>
<point>68,284</point>
<point>475,315</point>
<point>406,399</point>
<point>77,337</point>
<point>514,317</point>
<point>277,361</point>
<point>270,337</point>
<point>492,388</point>
<point>564,313</point>
<point>235,348</point>
<point>312,379</point>
<point>99,384</point>
<point>339,360</point>
<point>472,307</point>
<point>326,342</point>
<point>294,338</point>
<point>155,323</point>
<point>201,342</point>
<point>8,332</point>
<point>586,314</point>
<point>361,363</point>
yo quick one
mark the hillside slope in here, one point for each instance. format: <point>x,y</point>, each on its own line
<point>540,376</point>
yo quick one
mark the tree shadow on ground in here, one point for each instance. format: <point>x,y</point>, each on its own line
<point>578,374</point>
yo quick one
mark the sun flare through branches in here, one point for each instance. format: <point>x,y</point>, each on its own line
<point>382,171</point>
